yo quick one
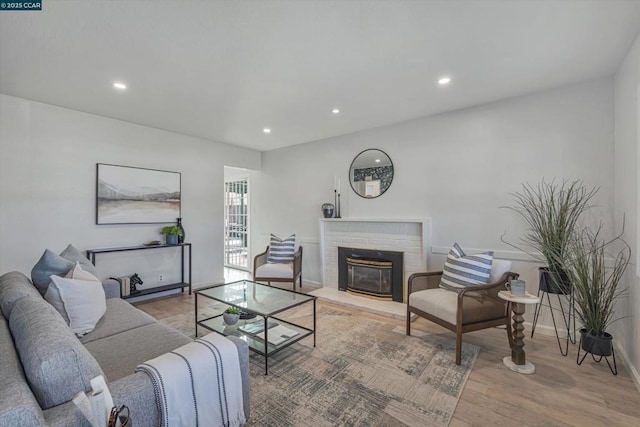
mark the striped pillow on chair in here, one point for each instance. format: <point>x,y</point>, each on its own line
<point>462,270</point>
<point>281,250</point>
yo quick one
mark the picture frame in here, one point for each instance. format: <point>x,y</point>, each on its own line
<point>133,195</point>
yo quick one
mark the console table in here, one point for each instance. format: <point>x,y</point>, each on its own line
<point>91,254</point>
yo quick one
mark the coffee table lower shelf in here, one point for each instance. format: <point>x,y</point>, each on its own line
<point>257,344</point>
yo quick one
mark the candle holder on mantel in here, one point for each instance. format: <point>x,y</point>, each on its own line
<point>338,207</point>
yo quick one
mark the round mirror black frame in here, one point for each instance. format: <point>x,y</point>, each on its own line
<point>384,174</point>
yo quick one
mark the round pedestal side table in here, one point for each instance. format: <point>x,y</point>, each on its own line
<point>517,361</point>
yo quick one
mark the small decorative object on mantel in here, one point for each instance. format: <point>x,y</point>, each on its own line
<point>182,233</point>
<point>328,209</point>
<point>336,196</point>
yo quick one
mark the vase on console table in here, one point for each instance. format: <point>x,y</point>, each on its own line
<point>179,225</point>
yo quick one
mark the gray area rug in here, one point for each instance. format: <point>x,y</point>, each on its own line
<point>362,372</point>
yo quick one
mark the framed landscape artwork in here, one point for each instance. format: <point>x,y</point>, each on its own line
<point>129,195</point>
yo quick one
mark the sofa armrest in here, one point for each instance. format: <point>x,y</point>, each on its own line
<point>243,355</point>
<point>111,288</point>
<point>136,390</point>
<point>64,415</point>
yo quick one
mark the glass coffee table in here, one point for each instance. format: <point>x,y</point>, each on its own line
<point>265,333</point>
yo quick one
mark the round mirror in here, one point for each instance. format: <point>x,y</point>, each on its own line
<point>371,173</point>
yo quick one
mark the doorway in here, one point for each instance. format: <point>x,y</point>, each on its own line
<point>236,222</point>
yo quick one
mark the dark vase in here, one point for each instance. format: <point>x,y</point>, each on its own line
<point>179,225</point>
<point>554,282</point>
<point>328,209</point>
<point>597,345</point>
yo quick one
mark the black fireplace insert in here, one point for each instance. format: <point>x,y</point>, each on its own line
<point>371,273</point>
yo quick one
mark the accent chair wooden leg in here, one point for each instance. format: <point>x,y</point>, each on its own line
<point>458,346</point>
<point>408,321</point>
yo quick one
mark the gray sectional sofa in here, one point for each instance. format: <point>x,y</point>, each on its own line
<point>43,364</point>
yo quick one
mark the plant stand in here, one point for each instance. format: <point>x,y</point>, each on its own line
<point>595,348</point>
<point>567,315</point>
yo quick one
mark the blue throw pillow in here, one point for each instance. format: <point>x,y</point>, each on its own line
<point>281,250</point>
<point>462,270</point>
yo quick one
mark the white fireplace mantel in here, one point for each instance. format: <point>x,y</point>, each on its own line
<point>408,235</point>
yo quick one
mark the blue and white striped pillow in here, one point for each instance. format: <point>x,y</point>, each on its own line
<point>281,250</point>
<point>462,270</point>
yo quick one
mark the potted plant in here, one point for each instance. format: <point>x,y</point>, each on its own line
<point>171,233</point>
<point>231,315</point>
<point>551,211</point>
<point>595,268</point>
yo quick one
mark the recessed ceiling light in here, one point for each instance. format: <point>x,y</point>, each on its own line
<point>335,111</point>
<point>444,81</point>
<point>120,86</point>
<point>377,160</point>
<point>266,130</point>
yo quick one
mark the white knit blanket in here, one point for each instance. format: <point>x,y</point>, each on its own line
<point>198,384</point>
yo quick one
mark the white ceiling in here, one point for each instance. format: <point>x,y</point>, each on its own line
<point>224,70</point>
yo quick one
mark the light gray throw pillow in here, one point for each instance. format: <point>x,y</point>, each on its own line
<point>71,253</point>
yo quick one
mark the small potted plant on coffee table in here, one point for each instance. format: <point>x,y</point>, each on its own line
<point>231,315</point>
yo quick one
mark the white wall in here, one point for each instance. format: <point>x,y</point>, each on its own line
<point>48,159</point>
<point>627,140</point>
<point>456,168</point>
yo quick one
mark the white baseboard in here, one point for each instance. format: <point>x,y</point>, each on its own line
<point>312,283</point>
<point>635,376</point>
<point>540,329</point>
<point>550,331</point>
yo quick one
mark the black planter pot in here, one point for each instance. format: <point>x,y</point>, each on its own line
<point>554,282</point>
<point>596,345</point>
<point>599,347</point>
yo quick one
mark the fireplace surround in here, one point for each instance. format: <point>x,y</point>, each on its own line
<point>409,235</point>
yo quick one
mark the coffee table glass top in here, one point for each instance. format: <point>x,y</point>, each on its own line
<point>256,297</point>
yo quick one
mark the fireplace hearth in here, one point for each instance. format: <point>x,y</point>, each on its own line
<point>371,273</point>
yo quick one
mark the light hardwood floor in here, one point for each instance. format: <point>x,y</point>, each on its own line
<point>559,393</point>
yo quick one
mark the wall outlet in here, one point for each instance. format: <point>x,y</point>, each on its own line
<point>160,278</point>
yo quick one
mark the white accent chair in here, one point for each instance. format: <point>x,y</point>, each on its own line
<point>268,272</point>
<point>463,310</point>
